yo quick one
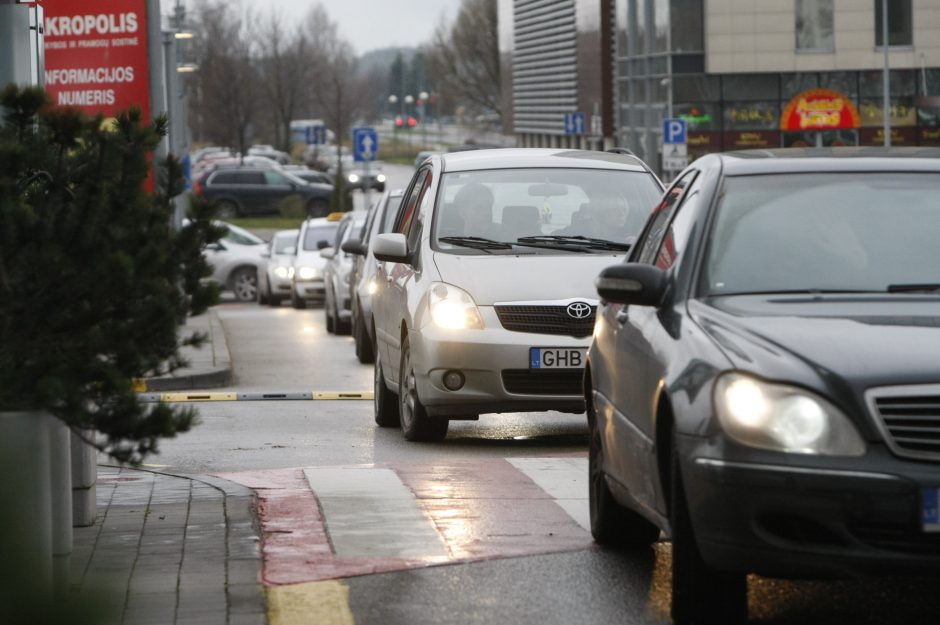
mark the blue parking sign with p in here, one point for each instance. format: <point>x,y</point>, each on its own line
<point>674,131</point>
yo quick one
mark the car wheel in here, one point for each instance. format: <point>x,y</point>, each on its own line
<point>611,523</point>
<point>318,207</point>
<point>416,425</point>
<point>297,302</point>
<point>339,326</point>
<point>701,594</point>
<point>226,209</point>
<point>384,402</point>
<point>328,313</point>
<point>244,284</point>
<point>364,351</point>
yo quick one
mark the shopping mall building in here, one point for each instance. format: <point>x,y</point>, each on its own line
<point>742,73</point>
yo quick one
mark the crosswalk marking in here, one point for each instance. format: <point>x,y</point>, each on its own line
<point>371,513</point>
<point>565,479</point>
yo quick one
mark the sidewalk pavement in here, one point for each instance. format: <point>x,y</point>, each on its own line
<point>174,549</point>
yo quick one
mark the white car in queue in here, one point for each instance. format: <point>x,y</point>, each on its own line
<point>485,300</point>
<point>274,281</point>
<point>236,260</point>
<point>316,233</point>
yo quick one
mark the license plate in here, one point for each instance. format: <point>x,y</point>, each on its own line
<point>556,357</point>
<point>930,509</point>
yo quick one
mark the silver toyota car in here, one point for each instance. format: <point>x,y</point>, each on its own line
<point>484,300</point>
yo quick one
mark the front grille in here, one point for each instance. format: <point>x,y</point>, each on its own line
<point>546,382</point>
<point>545,320</point>
<point>911,421</point>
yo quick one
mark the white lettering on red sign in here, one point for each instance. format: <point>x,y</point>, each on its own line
<point>102,24</point>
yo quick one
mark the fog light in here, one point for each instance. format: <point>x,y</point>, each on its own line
<point>453,380</point>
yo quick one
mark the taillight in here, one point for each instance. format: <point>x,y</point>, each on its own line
<point>197,188</point>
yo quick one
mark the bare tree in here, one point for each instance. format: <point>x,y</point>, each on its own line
<point>463,59</point>
<point>284,69</point>
<point>225,101</point>
<point>339,91</point>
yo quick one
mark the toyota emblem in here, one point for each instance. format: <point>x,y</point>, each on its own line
<point>579,310</point>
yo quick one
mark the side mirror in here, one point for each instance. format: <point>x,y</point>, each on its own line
<point>632,283</point>
<point>355,246</point>
<point>391,247</point>
<point>322,243</point>
<point>327,253</point>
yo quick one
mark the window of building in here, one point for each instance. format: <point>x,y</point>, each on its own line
<point>814,25</point>
<point>900,23</point>
<point>688,25</point>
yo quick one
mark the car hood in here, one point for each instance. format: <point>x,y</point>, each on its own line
<point>310,259</point>
<point>862,341</point>
<point>510,278</point>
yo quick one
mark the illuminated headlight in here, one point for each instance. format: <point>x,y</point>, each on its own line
<point>380,178</point>
<point>373,287</point>
<point>783,418</point>
<point>308,273</point>
<point>282,272</point>
<point>453,308</point>
<point>353,178</point>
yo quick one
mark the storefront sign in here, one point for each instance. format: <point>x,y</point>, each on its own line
<point>819,109</point>
<point>748,139</point>
<point>876,136</point>
<point>701,142</point>
<point>928,136</point>
<point>96,55</point>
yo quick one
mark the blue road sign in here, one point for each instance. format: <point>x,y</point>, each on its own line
<point>674,131</point>
<point>365,144</point>
<point>574,123</point>
<point>315,135</point>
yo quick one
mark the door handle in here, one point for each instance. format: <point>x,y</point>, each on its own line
<point>622,316</point>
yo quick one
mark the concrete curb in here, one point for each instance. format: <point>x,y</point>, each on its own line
<point>210,365</point>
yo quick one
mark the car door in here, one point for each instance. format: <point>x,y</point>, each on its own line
<point>251,191</point>
<point>277,189</point>
<point>637,333</point>
<point>386,312</point>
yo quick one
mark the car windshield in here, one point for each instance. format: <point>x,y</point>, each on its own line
<point>315,234</point>
<point>284,241</point>
<point>240,236</point>
<point>507,205</point>
<point>825,232</point>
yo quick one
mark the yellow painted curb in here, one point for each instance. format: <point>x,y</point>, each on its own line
<point>198,397</point>
<point>339,395</point>
<point>138,385</point>
<point>323,603</point>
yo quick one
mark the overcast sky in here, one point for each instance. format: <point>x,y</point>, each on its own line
<point>368,24</point>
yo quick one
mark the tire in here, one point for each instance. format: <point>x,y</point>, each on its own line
<point>297,302</point>
<point>244,284</point>
<point>341,327</point>
<point>384,401</point>
<point>611,523</point>
<point>318,207</point>
<point>701,594</point>
<point>364,352</point>
<point>328,313</point>
<point>416,425</point>
<point>226,209</point>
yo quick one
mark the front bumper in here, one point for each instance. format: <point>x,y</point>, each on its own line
<point>495,365</point>
<point>310,289</point>
<point>786,516</point>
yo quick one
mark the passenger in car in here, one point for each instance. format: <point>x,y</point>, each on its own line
<point>474,203</point>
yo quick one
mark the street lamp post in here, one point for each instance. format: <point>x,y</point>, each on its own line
<point>423,97</point>
<point>393,100</point>
<point>885,79</point>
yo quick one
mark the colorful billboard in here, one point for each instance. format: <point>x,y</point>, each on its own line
<point>819,109</point>
<point>96,55</point>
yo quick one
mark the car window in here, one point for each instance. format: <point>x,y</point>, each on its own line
<point>679,230</point>
<point>655,231</point>
<point>314,234</point>
<point>388,217</point>
<point>225,177</point>
<point>281,243</point>
<point>408,207</point>
<point>818,232</point>
<point>274,178</point>
<point>343,226</point>
<point>249,177</point>
<point>424,200</point>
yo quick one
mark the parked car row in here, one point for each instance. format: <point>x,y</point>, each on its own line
<point>754,347</point>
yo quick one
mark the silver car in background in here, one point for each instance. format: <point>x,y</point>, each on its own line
<point>485,300</point>
<point>381,219</point>
<point>316,233</point>
<point>337,273</point>
<point>274,280</point>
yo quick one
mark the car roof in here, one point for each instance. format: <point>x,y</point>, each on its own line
<point>815,160</point>
<point>506,158</point>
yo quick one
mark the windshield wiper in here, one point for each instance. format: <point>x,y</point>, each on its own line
<point>914,288</point>
<point>577,240</point>
<point>477,243</point>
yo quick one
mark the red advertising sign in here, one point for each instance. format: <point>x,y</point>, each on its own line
<point>96,55</point>
<point>820,109</point>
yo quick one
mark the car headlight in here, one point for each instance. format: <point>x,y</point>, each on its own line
<point>282,272</point>
<point>453,308</point>
<point>783,418</point>
<point>353,178</point>
<point>308,273</point>
<point>380,178</point>
<point>373,287</point>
